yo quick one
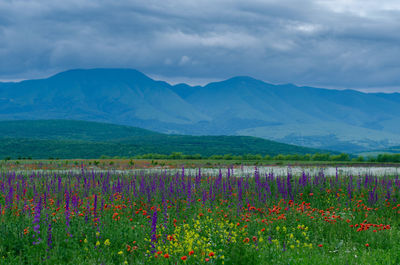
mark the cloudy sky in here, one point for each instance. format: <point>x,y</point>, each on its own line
<point>325,43</point>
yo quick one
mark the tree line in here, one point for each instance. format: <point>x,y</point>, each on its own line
<point>279,157</point>
<point>343,157</point>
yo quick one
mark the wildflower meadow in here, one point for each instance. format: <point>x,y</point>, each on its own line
<point>176,217</point>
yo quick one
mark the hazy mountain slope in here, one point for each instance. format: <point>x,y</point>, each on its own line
<point>243,97</point>
<point>81,139</point>
<point>97,94</point>
<point>343,120</point>
<point>70,129</point>
<point>339,120</point>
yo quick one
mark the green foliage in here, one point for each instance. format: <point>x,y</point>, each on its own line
<point>322,222</point>
<point>326,157</point>
<point>388,158</point>
<point>359,159</point>
<point>320,157</point>
<point>79,139</point>
<point>341,157</point>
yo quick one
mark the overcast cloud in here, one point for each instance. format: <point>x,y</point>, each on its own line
<point>326,43</point>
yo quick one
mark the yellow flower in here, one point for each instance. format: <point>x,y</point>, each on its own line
<point>120,253</point>
<point>85,241</point>
<point>97,234</point>
<point>107,242</point>
<point>291,246</point>
<point>97,243</point>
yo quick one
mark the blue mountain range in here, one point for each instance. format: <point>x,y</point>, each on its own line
<point>340,120</point>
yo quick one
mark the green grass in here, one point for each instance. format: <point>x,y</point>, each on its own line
<point>118,163</point>
<point>79,139</point>
<point>128,219</point>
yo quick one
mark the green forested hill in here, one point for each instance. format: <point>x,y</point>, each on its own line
<point>69,129</point>
<point>81,139</point>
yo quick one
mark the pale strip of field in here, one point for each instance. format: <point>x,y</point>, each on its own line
<point>243,171</point>
<point>328,171</point>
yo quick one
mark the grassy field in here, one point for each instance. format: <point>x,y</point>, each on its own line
<point>126,164</point>
<point>88,217</point>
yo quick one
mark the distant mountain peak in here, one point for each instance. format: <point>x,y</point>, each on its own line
<point>243,79</point>
<point>102,73</point>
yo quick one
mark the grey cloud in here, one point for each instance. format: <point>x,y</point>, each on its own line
<point>320,43</point>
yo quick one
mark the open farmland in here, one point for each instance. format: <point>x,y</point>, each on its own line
<point>181,217</point>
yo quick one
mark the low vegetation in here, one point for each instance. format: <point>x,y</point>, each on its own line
<point>172,217</point>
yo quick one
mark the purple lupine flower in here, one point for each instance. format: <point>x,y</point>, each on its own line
<point>67,212</point>
<point>388,189</point>
<point>373,197</point>
<point>189,189</point>
<point>289,185</point>
<point>204,196</point>
<point>49,235</point>
<point>154,226</point>
<point>239,184</point>
<point>154,230</point>
<point>350,187</point>
<point>87,211</point>
<point>95,205</point>
<point>36,222</point>
<point>10,197</point>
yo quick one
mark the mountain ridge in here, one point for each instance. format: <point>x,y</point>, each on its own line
<point>345,120</point>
